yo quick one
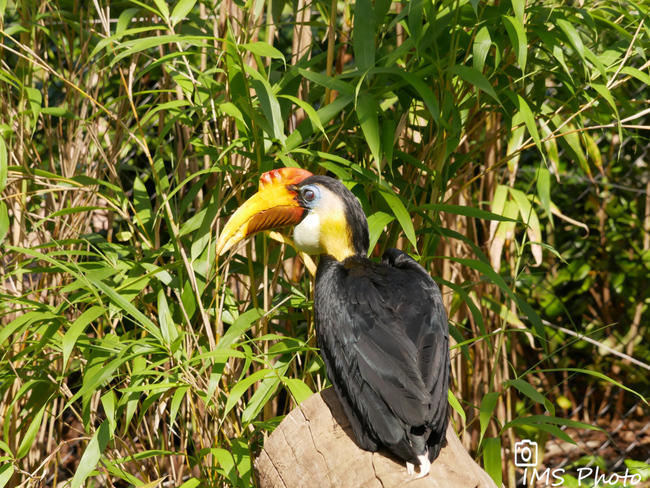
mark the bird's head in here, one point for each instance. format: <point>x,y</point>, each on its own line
<point>327,216</point>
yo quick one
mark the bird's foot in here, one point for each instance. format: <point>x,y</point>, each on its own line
<point>410,469</point>
<point>425,467</point>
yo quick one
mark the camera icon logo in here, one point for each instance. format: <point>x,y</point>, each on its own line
<point>526,454</point>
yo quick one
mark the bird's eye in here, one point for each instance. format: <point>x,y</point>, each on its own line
<point>308,195</point>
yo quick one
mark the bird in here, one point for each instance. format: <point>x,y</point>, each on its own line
<point>381,327</point>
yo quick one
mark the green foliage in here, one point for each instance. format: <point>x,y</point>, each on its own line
<point>125,145</point>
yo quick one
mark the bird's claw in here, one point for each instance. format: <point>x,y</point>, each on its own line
<point>410,469</point>
<point>425,467</point>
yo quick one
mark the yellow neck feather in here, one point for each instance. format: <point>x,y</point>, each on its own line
<point>335,236</point>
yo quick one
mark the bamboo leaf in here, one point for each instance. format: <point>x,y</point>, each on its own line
<point>503,311</point>
<point>77,328</point>
<point>488,404</point>
<point>367,112</point>
<point>515,143</point>
<point>476,313</point>
<point>178,397</point>
<point>153,484</point>
<point>3,164</point>
<point>309,110</point>
<point>593,151</point>
<point>244,384</point>
<point>467,212</point>
<point>206,219</point>
<point>35,101</point>
<point>517,36</point>
<point>241,325</point>
<point>415,16</point>
<point>59,112</point>
<point>23,321</point>
<point>67,211</point>
<point>519,6</point>
<point>181,9</point>
<point>218,356</point>
<point>264,49</point>
<point>481,47</point>
<point>167,326</point>
<point>457,235</point>
<point>298,389</point>
<point>492,459</point>
<point>109,401</point>
<point>550,145</point>
<point>529,120</point>
<point>427,94</point>
<point>453,401</point>
<point>241,452</point>
<point>139,45</point>
<point>265,391</point>
<point>639,75</point>
<point>534,420</point>
<point>325,115</point>
<point>387,142</point>
<point>162,8</point>
<point>30,433</point>
<point>143,208</point>
<point>100,375</point>
<point>269,103</point>
<point>534,318</point>
<point>376,224</point>
<point>500,232</point>
<point>572,143</point>
<point>529,390</point>
<point>232,110</point>
<point>529,216</point>
<point>475,78</point>
<point>556,431</point>
<point>363,35</point>
<point>227,463</point>
<point>7,468</point>
<point>554,46</point>
<point>328,82</point>
<point>191,483</point>
<point>122,23</point>
<point>572,34</point>
<point>544,191</point>
<point>600,376</point>
<point>604,92</point>
<point>91,455</point>
<point>127,306</point>
<point>593,59</point>
<point>4,221</point>
<point>550,248</point>
<point>487,270</point>
<point>381,9</point>
<point>401,213</point>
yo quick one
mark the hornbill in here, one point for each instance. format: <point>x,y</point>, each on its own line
<point>381,327</point>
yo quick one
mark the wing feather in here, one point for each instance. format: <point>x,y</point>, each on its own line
<point>382,330</point>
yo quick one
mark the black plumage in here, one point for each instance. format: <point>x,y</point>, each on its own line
<point>383,335</point>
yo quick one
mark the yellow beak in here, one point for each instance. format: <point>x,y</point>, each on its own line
<point>274,205</point>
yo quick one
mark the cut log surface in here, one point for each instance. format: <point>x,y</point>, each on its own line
<point>314,447</point>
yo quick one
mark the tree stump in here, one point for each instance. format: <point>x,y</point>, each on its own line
<point>314,446</point>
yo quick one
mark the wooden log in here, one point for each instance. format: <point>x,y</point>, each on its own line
<point>314,447</point>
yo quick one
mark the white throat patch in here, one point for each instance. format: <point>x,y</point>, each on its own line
<point>306,234</point>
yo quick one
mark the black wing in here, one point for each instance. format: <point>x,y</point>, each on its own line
<point>383,334</point>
